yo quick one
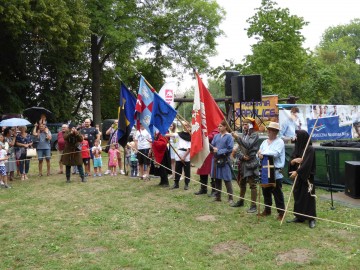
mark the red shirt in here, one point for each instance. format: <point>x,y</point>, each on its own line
<point>61,141</point>
<point>85,149</point>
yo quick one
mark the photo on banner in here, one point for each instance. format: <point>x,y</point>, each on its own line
<point>335,121</point>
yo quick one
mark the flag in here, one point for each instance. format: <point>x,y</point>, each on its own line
<point>167,92</point>
<point>144,104</point>
<point>206,116</point>
<point>125,115</point>
<point>162,116</point>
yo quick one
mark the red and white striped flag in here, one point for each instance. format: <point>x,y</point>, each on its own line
<point>206,116</point>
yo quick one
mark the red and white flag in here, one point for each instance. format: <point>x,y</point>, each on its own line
<point>206,116</point>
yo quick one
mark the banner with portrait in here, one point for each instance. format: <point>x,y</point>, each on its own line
<point>335,121</point>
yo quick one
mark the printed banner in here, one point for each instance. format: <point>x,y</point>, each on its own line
<point>327,128</point>
<point>335,121</point>
<point>265,111</point>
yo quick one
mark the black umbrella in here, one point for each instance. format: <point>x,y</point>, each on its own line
<point>34,114</point>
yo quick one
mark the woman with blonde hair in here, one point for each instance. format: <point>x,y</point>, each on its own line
<point>23,142</point>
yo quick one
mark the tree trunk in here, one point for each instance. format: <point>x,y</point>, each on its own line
<point>96,67</point>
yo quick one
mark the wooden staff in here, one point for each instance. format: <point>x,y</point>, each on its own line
<point>292,189</point>
<point>172,147</point>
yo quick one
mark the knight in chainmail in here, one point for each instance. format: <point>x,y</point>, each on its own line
<point>248,163</point>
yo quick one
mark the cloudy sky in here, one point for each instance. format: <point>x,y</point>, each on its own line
<point>235,44</point>
<point>320,14</point>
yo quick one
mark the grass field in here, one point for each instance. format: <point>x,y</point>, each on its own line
<point>124,223</point>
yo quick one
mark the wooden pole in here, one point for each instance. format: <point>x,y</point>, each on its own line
<point>292,189</point>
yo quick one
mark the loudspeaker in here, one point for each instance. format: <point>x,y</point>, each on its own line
<point>352,179</point>
<point>246,88</point>
<point>228,75</point>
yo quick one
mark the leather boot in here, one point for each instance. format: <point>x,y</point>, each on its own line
<point>203,187</point>
<point>253,197</point>
<point>239,203</point>
<point>176,185</point>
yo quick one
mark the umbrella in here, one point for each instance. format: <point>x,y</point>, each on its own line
<point>14,122</point>
<point>34,113</point>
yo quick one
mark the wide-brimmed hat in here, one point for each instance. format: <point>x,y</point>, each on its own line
<point>251,121</point>
<point>273,125</point>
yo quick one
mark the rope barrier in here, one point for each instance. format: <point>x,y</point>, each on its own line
<point>225,193</point>
<point>259,203</point>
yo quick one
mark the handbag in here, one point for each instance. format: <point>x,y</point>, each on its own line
<point>221,161</point>
<point>107,147</point>
<point>30,152</point>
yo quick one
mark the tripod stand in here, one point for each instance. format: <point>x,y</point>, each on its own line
<point>329,179</point>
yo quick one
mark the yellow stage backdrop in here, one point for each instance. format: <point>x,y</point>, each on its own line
<point>265,111</point>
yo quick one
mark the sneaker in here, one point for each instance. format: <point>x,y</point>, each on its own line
<point>94,174</point>
<point>107,172</point>
<point>6,186</point>
<point>122,172</point>
<point>114,174</point>
<point>99,174</point>
<point>2,183</point>
<point>251,210</point>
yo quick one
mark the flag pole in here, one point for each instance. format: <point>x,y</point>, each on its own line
<point>292,189</point>
<point>152,88</point>
<point>227,123</point>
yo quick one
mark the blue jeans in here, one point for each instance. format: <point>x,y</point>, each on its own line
<point>43,153</point>
<point>24,164</point>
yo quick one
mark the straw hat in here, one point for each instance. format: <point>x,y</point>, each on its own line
<point>251,121</point>
<point>273,125</point>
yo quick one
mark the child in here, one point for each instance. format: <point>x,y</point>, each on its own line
<point>127,158</point>
<point>3,158</point>
<point>113,159</point>
<point>133,160</point>
<point>85,154</point>
<point>96,151</point>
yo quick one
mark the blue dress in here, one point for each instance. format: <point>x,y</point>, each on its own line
<point>224,144</point>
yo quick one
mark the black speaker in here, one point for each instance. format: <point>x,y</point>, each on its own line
<point>246,88</point>
<point>228,75</point>
<point>352,179</point>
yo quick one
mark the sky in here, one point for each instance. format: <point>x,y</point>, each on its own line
<point>321,14</point>
<point>235,45</point>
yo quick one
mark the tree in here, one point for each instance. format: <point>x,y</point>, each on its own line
<point>42,54</point>
<point>339,51</point>
<point>180,33</point>
<point>278,55</point>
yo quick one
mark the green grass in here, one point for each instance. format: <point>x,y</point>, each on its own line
<point>123,223</point>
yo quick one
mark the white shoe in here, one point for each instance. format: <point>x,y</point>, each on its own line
<point>122,172</point>
<point>107,172</point>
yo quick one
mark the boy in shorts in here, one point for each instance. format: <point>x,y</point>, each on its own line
<point>96,151</point>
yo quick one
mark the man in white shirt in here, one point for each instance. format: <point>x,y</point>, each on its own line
<point>275,147</point>
<point>143,145</point>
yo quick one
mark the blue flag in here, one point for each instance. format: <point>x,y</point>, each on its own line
<point>125,115</point>
<point>162,115</point>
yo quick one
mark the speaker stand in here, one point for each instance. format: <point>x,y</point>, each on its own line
<point>254,114</point>
<point>329,179</point>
